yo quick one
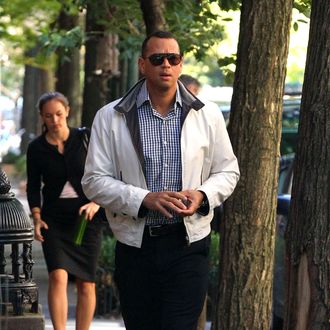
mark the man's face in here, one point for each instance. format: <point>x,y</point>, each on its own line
<point>165,75</point>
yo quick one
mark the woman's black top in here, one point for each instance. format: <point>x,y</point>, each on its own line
<point>50,170</point>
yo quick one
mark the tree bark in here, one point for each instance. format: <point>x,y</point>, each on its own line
<point>153,15</point>
<point>101,60</point>
<point>308,234</point>
<point>248,230</point>
<point>36,82</point>
<point>68,71</point>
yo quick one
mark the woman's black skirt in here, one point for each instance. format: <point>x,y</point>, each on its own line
<point>59,248</point>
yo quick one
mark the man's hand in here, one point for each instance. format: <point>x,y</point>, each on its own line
<point>184,203</point>
<point>195,199</point>
<point>165,201</point>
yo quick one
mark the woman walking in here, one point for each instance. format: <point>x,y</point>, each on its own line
<point>55,166</point>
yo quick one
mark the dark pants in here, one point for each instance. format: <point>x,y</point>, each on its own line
<point>163,284</point>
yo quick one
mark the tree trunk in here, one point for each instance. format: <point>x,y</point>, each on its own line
<point>119,85</point>
<point>36,82</point>
<point>308,234</point>
<point>101,60</point>
<point>153,15</point>
<point>248,230</point>
<point>68,71</point>
<point>132,71</point>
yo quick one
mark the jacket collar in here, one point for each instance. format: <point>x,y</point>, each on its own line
<point>128,102</point>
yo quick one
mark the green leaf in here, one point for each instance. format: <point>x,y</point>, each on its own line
<point>295,26</point>
<point>225,61</point>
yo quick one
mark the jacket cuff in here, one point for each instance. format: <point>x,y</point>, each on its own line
<point>142,211</point>
<point>204,208</point>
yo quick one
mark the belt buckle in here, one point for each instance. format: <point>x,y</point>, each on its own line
<point>153,227</point>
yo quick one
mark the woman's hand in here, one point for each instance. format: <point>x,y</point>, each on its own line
<point>38,224</point>
<point>90,209</point>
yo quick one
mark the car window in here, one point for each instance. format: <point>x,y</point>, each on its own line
<point>290,122</point>
<point>286,174</point>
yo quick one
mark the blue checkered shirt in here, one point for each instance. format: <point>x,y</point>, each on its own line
<point>160,137</point>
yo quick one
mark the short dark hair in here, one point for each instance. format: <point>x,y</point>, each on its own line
<point>189,80</point>
<point>156,34</point>
<point>48,96</point>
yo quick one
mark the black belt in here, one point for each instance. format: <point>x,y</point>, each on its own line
<point>162,230</point>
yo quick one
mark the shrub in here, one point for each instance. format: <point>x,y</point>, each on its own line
<point>10,158</point>
<point>214,259</point>
<point>107,255</point>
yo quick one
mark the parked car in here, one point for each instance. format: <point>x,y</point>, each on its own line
<point>290,122</point>
<point>283,206</point>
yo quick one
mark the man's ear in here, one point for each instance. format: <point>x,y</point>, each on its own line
<point>181,64</point>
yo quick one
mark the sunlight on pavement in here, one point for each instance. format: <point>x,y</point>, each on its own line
<point>96,325</point>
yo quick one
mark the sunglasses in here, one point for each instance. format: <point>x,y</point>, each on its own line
<point>158,59</point>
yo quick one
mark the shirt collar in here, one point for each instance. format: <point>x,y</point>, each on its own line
<point>143,96</point>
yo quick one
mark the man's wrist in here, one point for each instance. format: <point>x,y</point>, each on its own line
<point>204,207</point>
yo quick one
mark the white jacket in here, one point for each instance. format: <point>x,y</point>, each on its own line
<point>114,171</point>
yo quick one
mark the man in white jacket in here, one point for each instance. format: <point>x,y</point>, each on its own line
<point>159,161</point>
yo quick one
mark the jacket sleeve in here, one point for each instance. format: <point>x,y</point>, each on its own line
<point>102,181</point>
<point>221,179</point>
